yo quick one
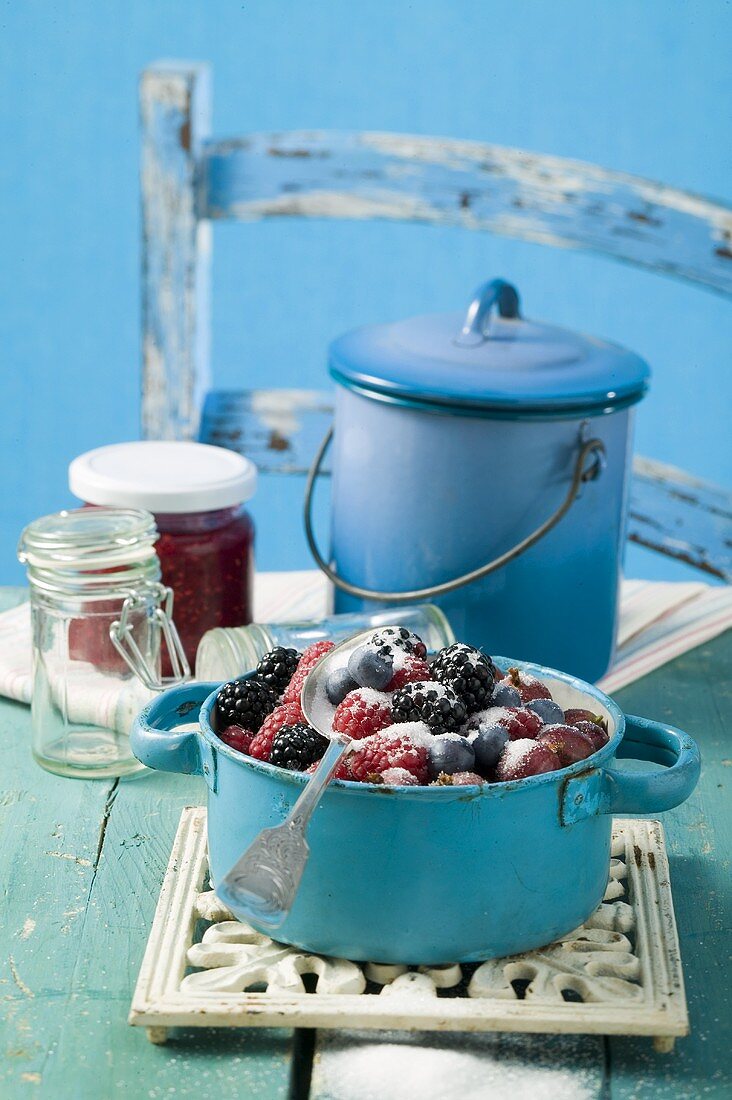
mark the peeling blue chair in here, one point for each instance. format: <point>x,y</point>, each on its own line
<point>190,181</point>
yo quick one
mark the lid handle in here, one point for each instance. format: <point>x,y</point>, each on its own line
<point>497,292</point>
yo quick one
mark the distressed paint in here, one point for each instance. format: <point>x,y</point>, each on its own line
<point>681,516</point>
<point>670,511</point>
<point>442,181</point>
<point>175,108</point>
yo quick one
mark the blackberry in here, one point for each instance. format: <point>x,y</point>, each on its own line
<point>297,747</point>
<point>467,671</point>
<point>433,703</point>
<point>277,668</point>
<point>244,703</point>
<point>398,637</point>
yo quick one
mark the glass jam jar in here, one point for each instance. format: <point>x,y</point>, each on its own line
<point>98,615</point>
<point>206,545</point>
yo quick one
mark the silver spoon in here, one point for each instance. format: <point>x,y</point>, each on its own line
<point>263,882</point>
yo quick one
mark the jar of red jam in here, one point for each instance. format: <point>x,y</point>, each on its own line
<point>197,495</point>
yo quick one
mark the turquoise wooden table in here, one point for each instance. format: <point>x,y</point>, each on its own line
<point>82,864</point>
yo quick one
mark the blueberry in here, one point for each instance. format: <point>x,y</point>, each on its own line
<point>449,754</point>
<point>338,685</point>
<point>506,696</point>
<point>550,712</point>
<point>488,745</point>
<point>371,668</point>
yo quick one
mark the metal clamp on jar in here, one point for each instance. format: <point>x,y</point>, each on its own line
<point>98,613</point>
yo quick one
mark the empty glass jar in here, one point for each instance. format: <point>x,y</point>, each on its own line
<point>98,614</point>
<point>225,653</point>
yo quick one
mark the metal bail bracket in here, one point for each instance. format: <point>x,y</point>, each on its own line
<point>122,638</point>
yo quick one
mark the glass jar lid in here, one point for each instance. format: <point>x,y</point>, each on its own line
<point>90,549</point>
<point>163,476</point>
<point>490,360</point>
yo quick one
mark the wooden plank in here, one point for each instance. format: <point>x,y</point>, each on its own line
<point>442,181</point>
<point>280,430</point>
<point>682,517</point>
<point>98,1046</point>
<point>175,107</point>
<point>695,693</point>
<point>81,864</point>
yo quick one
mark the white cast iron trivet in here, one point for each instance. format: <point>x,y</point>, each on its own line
<point>617,974</point>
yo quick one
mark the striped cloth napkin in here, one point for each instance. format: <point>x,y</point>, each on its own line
<point>658,621</point>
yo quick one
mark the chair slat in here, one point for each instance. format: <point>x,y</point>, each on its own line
<point>509,192</point>
<point>175,107</point>
<point>670,511</point>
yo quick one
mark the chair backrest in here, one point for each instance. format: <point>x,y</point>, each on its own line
<point>190,181</point>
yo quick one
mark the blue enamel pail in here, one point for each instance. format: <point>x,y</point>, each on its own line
<point>483,463</point>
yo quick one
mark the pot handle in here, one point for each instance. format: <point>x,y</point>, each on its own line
<point>589,464</point>
<point>611,791</point>
<point>156,739</point>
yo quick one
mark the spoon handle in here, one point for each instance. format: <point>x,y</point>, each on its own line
<point>301,812</point>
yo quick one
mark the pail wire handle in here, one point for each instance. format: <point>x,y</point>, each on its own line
<point>584,470</point>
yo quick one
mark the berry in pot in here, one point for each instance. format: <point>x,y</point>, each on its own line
<point>277,668</point>
<point>467,672</point>
<point>398,637</point>
<point>430,702</point>
<point>524,758</point>
<point>550,712</point>
<point>338,685</point>
<point>488,743</point>
<point>596,734</point>
<point>362,713</point>
<point>296,747</point>
<point>571,717</point>
<point>505,695</point>
<point>371,667</point>
<point>528,687</point>
<point>569,743</point>
<point>244,703</point>
<point>448,754</point>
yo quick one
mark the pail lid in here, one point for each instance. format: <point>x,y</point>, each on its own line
<point>163,476</point>
<point>490,359</point>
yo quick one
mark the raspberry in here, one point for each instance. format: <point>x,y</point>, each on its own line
<point>429,702</point>
<point>467,671</point>
<point>288,714</point>
<point>296,747</point>
<point>308,661</point>
<point>244,703</point>
<point>380,753</point>
<point>411,671</point>
<point>362,713</point>
<point>398,637</point>
<point>277,668</point>
<point>236,737</point>
<point>527,686</point>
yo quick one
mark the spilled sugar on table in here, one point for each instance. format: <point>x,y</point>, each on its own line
<point>82,864</point>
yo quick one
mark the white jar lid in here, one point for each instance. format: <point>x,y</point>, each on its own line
<point>163,476</point>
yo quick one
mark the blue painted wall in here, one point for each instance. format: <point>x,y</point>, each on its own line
<point>642,87</point>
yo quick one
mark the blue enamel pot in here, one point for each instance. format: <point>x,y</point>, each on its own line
<point>482,463</point>
<point>431,874</point>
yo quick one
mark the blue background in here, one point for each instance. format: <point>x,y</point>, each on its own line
<point>641,87</point>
